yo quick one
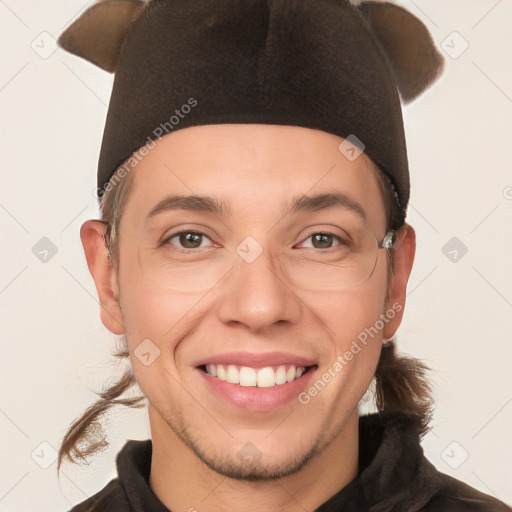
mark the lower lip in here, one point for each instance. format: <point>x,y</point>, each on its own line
<point>258,399</point>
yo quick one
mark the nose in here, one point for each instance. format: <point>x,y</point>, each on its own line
<point>257,296</point>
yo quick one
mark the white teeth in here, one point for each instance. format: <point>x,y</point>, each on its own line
<point>250,377</point>
<point>247,376</point>
<point>221,372</point>
<point>232,374</point>
<point>281,375</point>
<point>266,377</point>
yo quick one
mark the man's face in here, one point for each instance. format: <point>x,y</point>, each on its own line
<point>254,309</point>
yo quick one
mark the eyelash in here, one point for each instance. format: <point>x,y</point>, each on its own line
<point>187,251</point>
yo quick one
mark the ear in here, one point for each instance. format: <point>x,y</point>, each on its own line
<point>411,52</point>
<point>99,33</point>
<point>404,251</point>
<point>92,235</point>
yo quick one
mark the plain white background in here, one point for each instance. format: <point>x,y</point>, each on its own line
<point>55,352</point>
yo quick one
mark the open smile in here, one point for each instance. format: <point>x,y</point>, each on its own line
<point>257,389</point>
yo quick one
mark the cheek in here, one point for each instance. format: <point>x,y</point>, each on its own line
<point>351,312</point>
<point>155,323</point>
<point>150,312</point>
<point>353,319</point>
<point>355,322</point>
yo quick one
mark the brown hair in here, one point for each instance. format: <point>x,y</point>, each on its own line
<point>401,383</point>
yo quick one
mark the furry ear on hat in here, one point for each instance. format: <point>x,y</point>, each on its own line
<point>409,48</point>
<point>99,33</point>
<point>342,66</point>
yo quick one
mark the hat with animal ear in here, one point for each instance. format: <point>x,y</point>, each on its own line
<point>331,65</point>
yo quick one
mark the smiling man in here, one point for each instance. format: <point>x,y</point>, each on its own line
<point>228,326</point>
<point>254,254</point>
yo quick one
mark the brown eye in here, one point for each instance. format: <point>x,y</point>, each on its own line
<point>322,240</point>
<point>190,240</point>
<point>187,240</point>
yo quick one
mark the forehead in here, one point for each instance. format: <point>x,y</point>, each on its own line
<point>253,168</point>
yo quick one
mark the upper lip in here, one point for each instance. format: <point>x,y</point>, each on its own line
<point>256,360</point>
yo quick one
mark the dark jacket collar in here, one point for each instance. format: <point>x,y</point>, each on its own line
<point>392,470</point>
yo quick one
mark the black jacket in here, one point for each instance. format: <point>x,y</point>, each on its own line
<point>394,476</point>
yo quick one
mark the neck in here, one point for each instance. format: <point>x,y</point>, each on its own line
<point>183,482</point>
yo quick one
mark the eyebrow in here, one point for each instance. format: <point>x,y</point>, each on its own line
<point>221,209</point>
<point>324,201</point>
